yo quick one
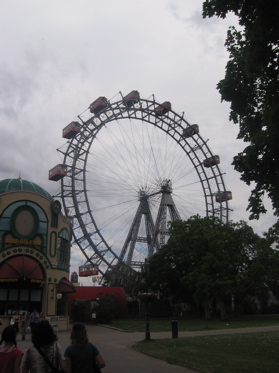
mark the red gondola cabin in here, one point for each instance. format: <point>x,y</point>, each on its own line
<point>71,130</point>
<point>223,196</point>
<point>57,172</point>
<point>88,270</point>
<point>163,108</point>
<point>131,98</point>
<point>212,161</point>
<point>191,131</point>
<point>98,105</point>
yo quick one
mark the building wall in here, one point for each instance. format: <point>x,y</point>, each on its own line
<point>48,244</point>
<point>92,293</point>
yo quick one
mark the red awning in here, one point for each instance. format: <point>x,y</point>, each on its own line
<point>22,267</point>
<point>65,286</point>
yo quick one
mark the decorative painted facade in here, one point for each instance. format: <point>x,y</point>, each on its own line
<point>35,242</point>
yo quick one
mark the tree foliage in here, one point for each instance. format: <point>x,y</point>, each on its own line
<point>207,261</point>
<point>251,85</point>
<point>108,308</point>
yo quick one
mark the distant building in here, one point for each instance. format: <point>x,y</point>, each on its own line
<point>74,277</point>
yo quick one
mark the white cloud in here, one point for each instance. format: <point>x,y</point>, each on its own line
<point>57,57</point>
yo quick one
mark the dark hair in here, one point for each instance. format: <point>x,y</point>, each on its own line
<point>43,334</point>
<point>9,335</point>
<point>78,334</point>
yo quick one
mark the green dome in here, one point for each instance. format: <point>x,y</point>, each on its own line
<point>9,185</point>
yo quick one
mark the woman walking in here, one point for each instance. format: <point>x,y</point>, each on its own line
<point>46,354</point>
<point>23,325</point>
<point>10,355</point>
<point>16,320</point>
<point>81,355</point>
<point>34,319</point>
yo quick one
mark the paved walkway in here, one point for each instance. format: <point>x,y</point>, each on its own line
<point>115,348</point>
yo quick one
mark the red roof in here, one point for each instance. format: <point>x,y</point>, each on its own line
<point>66,286</point>
<point>94,292</point>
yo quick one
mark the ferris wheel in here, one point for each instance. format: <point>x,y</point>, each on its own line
<point>130,166</point>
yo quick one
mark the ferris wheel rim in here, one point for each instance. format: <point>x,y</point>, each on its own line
<point>172,124</point>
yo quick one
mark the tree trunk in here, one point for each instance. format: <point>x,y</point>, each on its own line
<point>222,308</point>
<point>207,309</point>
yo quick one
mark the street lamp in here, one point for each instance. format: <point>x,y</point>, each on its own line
<point>147,330</point>
<point>174,327</point>
<point>58,296</point>
<point>147,297</point>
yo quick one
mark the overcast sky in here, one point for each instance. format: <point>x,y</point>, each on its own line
<point>59,56</point>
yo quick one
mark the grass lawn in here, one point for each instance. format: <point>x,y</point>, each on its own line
<point>191,324</point>
<point>236,353</point>
<point>231,353</point>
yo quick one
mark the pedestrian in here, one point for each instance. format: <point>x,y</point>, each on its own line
<point>81,355</point>
<point>34,319</point>
<point>23,325</point>
<point>16,320</point>
<point>10,355</point>
<point>94,317</point>
<point>46,354</point>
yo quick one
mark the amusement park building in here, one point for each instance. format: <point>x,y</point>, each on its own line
<point>93,293</point>
<point>35,241</point>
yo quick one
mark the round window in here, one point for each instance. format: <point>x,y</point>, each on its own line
<point>25,222</point>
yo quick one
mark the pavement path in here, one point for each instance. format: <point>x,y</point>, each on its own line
<point>115,347</point>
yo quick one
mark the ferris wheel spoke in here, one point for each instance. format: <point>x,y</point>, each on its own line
<point>132,158</point>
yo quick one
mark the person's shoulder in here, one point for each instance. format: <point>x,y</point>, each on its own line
<point>70,351</point>
<point>87,346</point>
<point>69,348</point>
<point>18,352</point>
<point>58,346</point>
<point>95,349</point>
<point>91,344</point>
<point>29,349</point>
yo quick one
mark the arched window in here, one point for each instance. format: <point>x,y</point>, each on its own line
<point>63,249</point>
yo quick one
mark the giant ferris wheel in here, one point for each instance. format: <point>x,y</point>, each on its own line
<point>130,166</point>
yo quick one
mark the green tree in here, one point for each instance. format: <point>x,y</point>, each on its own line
<point>251,85</point>
<point>81,310</point>
<point>271,256</point>
<point>206,260</point>
<point>108,308</point>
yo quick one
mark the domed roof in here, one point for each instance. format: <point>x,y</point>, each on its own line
<point>9,185</point>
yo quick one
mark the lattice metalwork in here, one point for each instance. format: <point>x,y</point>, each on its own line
<point>129,155</point>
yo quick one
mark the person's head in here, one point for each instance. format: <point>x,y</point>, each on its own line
<point>43,334</point>
<point>79,334</point>
<point>9,336</point>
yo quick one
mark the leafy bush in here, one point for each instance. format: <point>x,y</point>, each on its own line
<point>81,311</point>
<point>109,308</point>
